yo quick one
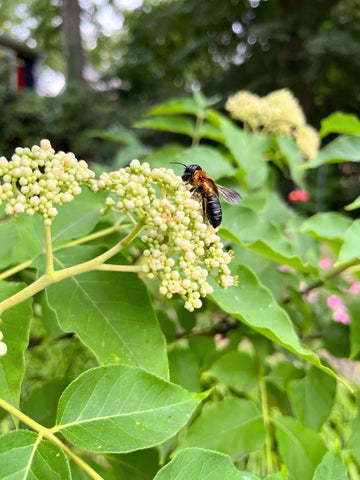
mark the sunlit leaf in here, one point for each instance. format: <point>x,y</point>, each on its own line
<point>340,122</point>
<point>254,305</point>
<point>350,249</point>
<point>108,302</point>
<point>118,409</point>
<point>328,227</point>
<point>345,148</point>
<point>175,124</point>
<point>209,160</point>
<point>244,227</point>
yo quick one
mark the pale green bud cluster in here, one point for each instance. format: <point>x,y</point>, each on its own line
<point>36,179</point>
<point>278,113</point>
<point>181,249</point>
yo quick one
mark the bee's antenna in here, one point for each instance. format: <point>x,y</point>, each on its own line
<point>178,163</point>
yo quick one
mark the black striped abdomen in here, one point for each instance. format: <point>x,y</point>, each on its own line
<point>213,210</point>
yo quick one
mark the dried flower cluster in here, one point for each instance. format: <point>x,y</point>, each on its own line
<point>181,249</point>
<point>278,113</point>
<point>36,179</point>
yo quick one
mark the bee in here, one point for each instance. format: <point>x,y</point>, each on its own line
<point>209,191</point>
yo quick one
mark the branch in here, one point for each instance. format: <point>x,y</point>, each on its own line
<point>46,433</point>
<point>325,279</point>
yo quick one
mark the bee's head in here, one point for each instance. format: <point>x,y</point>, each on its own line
<point>189,171</point>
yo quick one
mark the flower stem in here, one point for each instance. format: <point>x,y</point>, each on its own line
<point>48,250</point>
<point>46,433</point>
<point>48,279</point>
<point>16,269</point>
<point>119,268</point>
<point>266,417</point>
<point>93,236</point>
<point>197,129</point>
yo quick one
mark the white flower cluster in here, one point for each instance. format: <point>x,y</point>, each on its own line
<point>35,179</point>
<point>277,113</point>
<point>3,346</point>
<point>182,250</point>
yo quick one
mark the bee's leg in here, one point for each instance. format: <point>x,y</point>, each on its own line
<point>204,212</point>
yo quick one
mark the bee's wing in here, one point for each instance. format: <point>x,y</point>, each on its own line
<point>229,195</point>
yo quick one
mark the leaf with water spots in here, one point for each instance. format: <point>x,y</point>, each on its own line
<point>253,304</point>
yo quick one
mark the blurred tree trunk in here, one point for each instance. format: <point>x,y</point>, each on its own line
<point>72,41</point>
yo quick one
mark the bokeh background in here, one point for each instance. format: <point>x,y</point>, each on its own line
<point>70,68</point>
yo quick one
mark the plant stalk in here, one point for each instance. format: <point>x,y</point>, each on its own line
<point>48,279</point>
<point>266,417</point>
<point>46,433</point>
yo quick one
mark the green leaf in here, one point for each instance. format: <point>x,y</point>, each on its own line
<point>120,135</point>
<point>345,148</point>
<point>353,205</point>
<point>301,449</point>
<point>231,426</point>
<point>126,154</point>
<point>21,457</point>
<point>246,228</point>
<point>48,318</point>
<point>235,369</point>
<point>174,124</point>
<point>294,158</point>
<point>184,368</point>
<point>79,217</point>
<point>201,464</point>
<point>42,402</point>
<point>110,312</point>
<point>30,233</point>
<point>15,326</point>
<point>163,156</point>
<point>254,305</point>
<point>328,227</point>
<point>119,408</point>
<point>340,122</point>
<point>312,398</point>
<point>9,237</point>
<point>208,158</point>
<point>332,467</point>
<point>248,150</point>
<point>350,249</point>
<point>180,105</point>
<point>140,465</point>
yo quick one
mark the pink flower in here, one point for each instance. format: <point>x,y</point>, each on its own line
<point>299,195</point>
<point>354,288</point>
<point>334,302</point>
<point>341,315</point>
<point>325,264</point>
<point>302,286</point>
<point>285,269</point>
<point>312,297</point>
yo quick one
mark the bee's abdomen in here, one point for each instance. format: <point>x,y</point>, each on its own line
<point>214,210</point>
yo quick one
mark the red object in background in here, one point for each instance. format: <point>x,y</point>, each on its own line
<point>299,196</point>
<point>20,72</point>
<point>24,72</point>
